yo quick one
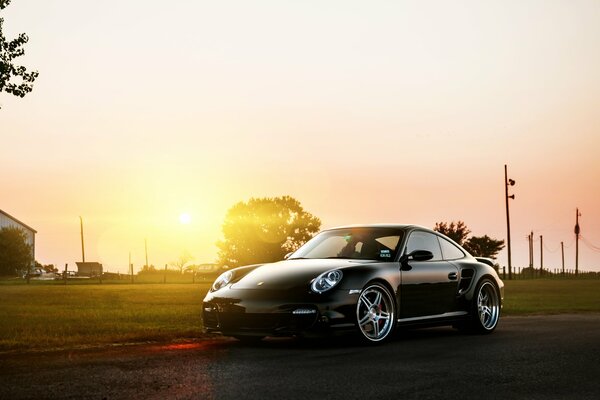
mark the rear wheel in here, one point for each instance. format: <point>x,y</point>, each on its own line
<point>485,308</point>
<point>375,313</point>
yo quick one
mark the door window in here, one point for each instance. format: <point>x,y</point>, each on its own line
<point>420,240</point>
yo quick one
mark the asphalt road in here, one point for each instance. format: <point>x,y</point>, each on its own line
<point>540,357</point>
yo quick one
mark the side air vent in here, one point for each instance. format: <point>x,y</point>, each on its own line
<point>466,276</point>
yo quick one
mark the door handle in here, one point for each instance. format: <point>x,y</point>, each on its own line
<point>452,276</point>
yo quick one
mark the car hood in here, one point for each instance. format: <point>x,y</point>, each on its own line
<point>288,274</point>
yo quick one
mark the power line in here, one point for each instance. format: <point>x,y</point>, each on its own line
<point>571,243</point>
<point>550,250</point>
<point>590,245</point>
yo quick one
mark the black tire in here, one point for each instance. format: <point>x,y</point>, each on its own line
<point>375,314</point>
<point>485,308</point>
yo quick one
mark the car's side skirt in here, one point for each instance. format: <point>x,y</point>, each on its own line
<point>432,317</point>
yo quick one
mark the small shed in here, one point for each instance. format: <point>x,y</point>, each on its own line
<point>89,268</point>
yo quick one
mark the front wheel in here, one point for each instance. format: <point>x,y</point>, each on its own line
<point>375,313</point>
<point>485,309</point>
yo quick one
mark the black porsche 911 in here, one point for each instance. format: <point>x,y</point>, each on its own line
<point>366,279</point>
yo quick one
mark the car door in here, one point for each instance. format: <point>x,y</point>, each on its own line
<point>427,287</point>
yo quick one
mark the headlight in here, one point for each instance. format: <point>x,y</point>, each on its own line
<point>222,280</point>
<point>326,281</point>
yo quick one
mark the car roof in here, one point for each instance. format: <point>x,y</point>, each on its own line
<point>405,227</point>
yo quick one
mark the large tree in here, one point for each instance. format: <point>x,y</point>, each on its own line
<point>14,78</point>
<point>483,246</point>
<point>264,230</point>
<point>456,231</point>
<point>15,253</point>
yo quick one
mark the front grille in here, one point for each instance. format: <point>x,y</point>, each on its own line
<point>271,323</point>
<point>249,322</point>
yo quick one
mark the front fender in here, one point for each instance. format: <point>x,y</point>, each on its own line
<point>356,277</point>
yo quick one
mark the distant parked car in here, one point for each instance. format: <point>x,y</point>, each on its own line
<point>366,279</point>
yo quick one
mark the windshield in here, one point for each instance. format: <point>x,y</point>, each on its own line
<point>379,244</point>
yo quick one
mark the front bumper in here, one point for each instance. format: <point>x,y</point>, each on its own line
<point>272,313</point>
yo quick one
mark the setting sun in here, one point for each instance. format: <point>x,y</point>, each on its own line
<point>185,218</point>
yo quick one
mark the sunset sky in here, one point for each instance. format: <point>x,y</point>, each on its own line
<point>365,111</point>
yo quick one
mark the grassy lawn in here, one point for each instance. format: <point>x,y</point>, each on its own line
<point>551,296</point>
<point>50,315</point>
<point>42,316</point>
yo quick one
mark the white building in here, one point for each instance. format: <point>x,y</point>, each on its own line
<point>7,220</point>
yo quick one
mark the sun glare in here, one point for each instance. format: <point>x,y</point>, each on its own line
<point>185,218</point>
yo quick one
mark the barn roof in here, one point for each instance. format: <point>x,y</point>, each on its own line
<point>17,221</point>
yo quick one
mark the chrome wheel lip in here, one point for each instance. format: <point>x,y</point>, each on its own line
<point>375,313</point>
<point>488,306</point>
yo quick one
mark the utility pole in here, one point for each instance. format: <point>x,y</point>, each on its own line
<point>146,248</point>
<point>577,231</point>
<point>531,254</point>
<point>562,251</point>
<point>130,268</point>
<point>82,246</point>
<point>529,248</point>
<point>541,255</point>
<point>507,183</point>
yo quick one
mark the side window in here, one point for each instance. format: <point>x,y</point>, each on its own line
<point>419,240</point>
<point>449,250</point>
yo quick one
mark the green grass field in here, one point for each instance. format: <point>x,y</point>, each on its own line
<point>50,315</point>
<point>551,296</point>
<point>42,316</point>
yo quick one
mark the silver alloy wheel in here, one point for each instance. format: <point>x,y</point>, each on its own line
<point>375,313</point>
<point>488,306</point>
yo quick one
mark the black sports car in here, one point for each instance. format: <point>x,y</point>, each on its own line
<point>367,279</point>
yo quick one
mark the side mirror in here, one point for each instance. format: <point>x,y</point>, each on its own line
<point>416,255</point>
<point>420,255</point>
